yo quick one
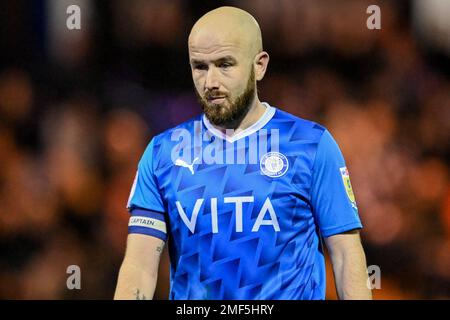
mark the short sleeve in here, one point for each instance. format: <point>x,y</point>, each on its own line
<point>332,197</point>
<point>145,192</point>
<point>145,203</point>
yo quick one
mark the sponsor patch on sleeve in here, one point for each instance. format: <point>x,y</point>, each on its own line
<point>348,186</point>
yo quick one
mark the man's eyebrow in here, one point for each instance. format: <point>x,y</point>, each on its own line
<point>194,61</point>
<point>223,59</point>
<point>226,59</point>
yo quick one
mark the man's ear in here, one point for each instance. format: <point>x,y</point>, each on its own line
<point>261,61</point>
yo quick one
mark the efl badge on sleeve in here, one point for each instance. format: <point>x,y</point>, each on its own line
<point>348,186</point>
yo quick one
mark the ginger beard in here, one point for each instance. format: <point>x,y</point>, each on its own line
<point>229,114</point>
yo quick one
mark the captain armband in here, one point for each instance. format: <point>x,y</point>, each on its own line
<point>148,222</point>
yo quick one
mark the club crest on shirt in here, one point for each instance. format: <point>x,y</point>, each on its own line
<point>348,186</point>
<point>274,164</point>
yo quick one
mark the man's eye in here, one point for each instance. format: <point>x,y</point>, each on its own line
<point>201,67</point>
<point>225,65</point>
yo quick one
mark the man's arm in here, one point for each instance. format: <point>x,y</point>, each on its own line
<point>349,266</point>
<point>139,271</point>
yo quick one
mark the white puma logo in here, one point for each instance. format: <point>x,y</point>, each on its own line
<point>182,163</point>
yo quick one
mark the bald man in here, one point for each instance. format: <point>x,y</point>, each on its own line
<point>243,193</point>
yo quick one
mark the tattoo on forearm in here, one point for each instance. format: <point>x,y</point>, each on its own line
<point>160,248</point>
<point>139,296</point>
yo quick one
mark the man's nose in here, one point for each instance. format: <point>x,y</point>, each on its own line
<point>212,80</point>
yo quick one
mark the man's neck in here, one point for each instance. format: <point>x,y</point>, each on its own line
<point>256,111</point>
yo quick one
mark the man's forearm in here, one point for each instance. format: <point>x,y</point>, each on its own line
<point>350,273</point>
<point>134,283</point>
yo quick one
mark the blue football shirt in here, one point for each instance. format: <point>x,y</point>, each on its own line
<point>244,214</point>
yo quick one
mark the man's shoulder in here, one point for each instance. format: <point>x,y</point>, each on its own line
<point>299,128</point>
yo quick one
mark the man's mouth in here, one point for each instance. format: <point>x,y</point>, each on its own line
<point>216,100</point>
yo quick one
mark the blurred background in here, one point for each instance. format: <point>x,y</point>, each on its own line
<point>78,107</point>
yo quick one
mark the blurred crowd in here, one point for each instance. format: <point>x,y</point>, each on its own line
<point>77,109</point>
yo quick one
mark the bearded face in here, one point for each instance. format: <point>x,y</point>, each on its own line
<point>223,110</point>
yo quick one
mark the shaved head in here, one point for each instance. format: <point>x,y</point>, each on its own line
<point>227,25</point>
<point>227,59</point>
